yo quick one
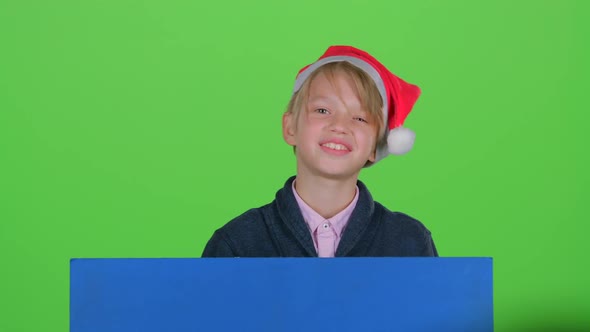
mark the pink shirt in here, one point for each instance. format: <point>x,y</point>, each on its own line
<point>326,233</point>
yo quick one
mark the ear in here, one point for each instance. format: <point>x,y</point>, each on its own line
<point>289,128</point>
<point>373,155</point>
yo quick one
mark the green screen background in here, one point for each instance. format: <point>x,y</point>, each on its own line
<point>136,128</point>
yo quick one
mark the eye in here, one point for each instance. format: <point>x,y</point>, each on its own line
<point>361,119</point>
<point>322,111</point>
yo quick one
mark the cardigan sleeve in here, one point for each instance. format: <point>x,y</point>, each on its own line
<point>218,246</point>
<point>429,247</point>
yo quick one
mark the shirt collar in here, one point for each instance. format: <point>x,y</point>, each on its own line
<point>314,219</point>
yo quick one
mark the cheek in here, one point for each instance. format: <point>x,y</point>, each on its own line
<point>310,125</point>
<point>368,135</point>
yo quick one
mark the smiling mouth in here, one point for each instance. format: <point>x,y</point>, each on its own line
<point>335,146</point>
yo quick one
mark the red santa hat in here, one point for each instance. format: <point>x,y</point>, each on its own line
<point>398,96</point>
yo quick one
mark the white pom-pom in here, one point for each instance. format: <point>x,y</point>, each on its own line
<point>400,140</point>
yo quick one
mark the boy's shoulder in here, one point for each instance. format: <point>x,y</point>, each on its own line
<point>246,235</point>
<point>399,220</point>
<point>392,221</point>
<point>251,220</point>
<point>399,234</point>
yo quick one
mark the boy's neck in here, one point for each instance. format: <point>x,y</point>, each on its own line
<point>326,196</point>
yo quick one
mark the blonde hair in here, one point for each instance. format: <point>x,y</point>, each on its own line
<point>362,84</point>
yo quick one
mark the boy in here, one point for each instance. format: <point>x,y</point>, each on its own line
<point>336,122</point>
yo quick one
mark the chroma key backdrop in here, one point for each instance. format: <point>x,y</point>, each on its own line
<point>136,128</point>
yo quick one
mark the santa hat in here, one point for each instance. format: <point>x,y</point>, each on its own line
<point>398,96</point>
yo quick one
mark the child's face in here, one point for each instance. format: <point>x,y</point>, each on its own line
<point>334,136</point>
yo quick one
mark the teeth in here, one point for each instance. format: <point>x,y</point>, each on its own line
<point>335,146</point>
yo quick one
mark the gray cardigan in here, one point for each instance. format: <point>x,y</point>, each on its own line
<point>278,230</point>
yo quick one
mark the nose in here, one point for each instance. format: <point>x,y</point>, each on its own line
<point>340,122</point>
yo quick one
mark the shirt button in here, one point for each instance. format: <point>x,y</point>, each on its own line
<point>326,225</point>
